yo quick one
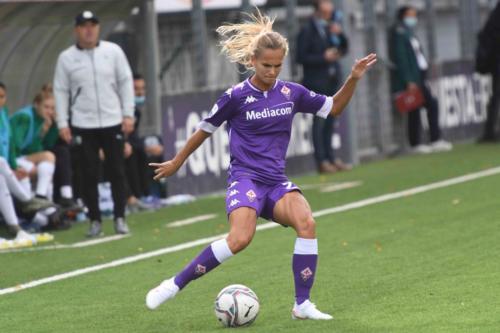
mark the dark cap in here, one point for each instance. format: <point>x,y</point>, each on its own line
<point>86,16</point>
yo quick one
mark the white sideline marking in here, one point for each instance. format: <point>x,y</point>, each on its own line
<point>67,246</point>
<point>269,225</point>
<point>191,220</point>
<point>339,186</point>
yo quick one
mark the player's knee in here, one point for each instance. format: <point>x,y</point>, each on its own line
<point>307,227</point>
<point>238,242</point>
<point>49,157</point>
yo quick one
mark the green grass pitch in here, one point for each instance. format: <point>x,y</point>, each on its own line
<point>422,263</point>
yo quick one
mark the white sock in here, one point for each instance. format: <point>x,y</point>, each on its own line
<point>6,204</point>
<point>45,172</point>
<point>306,246</point>
<point>16,188</point>
<point>67,192</point>
<point>40,219</point>
<point>221,250</point>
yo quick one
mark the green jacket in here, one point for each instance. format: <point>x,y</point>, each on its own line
<point>26,126</point>
<point>51,137</point>
<point>7,149</point>
<point>404,59</point>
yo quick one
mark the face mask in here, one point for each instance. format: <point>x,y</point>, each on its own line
<point>410,21</point>
<point>140,100</point>
<point>322,22</point>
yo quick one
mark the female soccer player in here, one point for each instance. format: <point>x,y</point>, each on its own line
<point>259,113</point>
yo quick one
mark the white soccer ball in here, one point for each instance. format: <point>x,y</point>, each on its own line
<point>236,305</point>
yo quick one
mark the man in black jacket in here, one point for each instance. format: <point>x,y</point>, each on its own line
<point>488,62</point>
<point>321,43</point>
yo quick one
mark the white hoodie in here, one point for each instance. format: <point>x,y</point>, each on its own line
<point>95,85</point>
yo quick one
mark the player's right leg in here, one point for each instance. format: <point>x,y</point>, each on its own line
<point>243,221</point>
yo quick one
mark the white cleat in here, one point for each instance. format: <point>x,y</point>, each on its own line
<point>307,310</point>
<point>165,291</point>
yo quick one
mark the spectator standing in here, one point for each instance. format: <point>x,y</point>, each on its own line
<point>94,95</point>
<point>321,43</point>
<point>410,73</point>
<point>488,62</point>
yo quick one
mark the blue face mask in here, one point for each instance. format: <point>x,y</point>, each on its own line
<point>410,21</point>
<point>140,100</point>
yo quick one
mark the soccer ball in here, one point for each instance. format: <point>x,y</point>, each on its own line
<point>236,305</point>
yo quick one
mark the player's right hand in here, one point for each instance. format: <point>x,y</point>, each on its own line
<point>165,169</point>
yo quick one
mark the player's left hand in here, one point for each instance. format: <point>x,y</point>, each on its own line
<point>362,65</point>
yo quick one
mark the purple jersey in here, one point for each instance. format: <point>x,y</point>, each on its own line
<point>259,124</point>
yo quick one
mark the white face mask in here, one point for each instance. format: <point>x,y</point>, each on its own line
<point>410,21</point>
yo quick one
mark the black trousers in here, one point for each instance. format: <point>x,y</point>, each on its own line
<point>63,173</point>
<point>110,140</point>
<point>136,169</point>
<point>491,124</point>
<point>322,131</point>
<point>414,121</point>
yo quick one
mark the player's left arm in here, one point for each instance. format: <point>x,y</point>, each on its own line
<point>343,96</point>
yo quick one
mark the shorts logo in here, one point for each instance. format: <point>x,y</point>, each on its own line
<point>233,192</point>
<point>312,94</point>
<point>306,274</point>
<point>251,195</point>
<point>234,202</point>
<point>200,269</point>
<point>286,91</point>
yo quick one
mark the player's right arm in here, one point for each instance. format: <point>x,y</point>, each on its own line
<point>221,111</point>
<point>168,168</point>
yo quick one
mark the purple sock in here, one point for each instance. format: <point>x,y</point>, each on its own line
<point>304,269</point>
<point>200,265</point>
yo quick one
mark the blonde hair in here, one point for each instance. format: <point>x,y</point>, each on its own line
<point>242,41</point>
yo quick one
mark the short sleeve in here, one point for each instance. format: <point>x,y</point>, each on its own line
<point>310,102</point>
<point>221,111</point>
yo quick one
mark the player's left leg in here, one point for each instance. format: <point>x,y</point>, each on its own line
<point>293,210</point>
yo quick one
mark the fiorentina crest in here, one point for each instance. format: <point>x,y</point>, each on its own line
<point>306,274</point>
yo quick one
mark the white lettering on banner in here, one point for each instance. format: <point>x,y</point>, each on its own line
<point>212,157</point>
<point>462,99</point>
<point>196,161</point>
<point>301,139</point>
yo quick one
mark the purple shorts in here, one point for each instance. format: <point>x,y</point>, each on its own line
<point>259,196</point>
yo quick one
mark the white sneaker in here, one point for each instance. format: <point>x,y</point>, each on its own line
<point>440,146</point>
<point>24,239</point>
<point>307,310</point>
<point>421,149</point>
<point>165,291</point>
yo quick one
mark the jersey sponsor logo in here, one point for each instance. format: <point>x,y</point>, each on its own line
<point>286,91</point>
<point>233,184</point>
<point>276,111</point>
<point>233,193</point>
<point>234,202</point>
<point>251,195</point>
<point>306,274</point>
<point>250,99</point>
<point>229,92</point>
